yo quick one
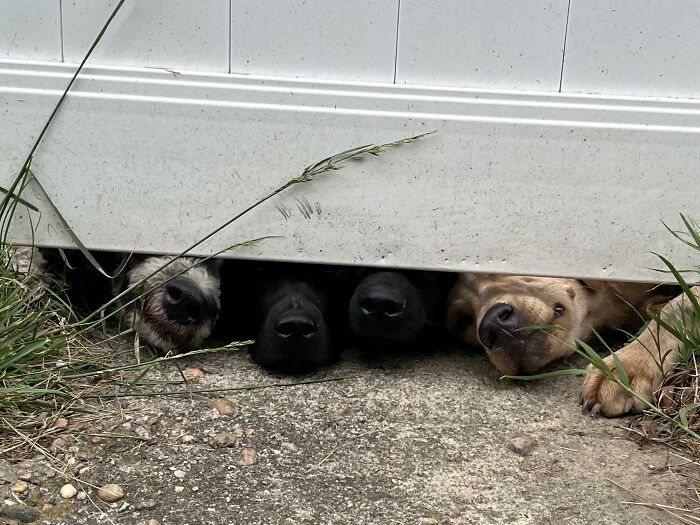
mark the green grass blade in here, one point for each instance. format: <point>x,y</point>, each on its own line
<point>19,199</point>
<point>549,375</point>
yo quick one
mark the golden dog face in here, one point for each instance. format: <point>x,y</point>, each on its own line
<point>495,311</point>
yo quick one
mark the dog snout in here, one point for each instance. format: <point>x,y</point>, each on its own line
<point>296,326</point>
<point>498,325</point>
<point>185,302</point>
<point>382,304</point>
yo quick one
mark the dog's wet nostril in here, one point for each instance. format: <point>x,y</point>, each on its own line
<point>505,313</point>
<point>184,302</point>
<point>382,305</point>
<point>295,328</point>
<point>174,293</point>
<point>497,326</point>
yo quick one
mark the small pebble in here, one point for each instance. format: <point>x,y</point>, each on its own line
<point>179,474</point>
<point>225,407</point>
<point>188,439</point>
<point>224,439</point>
<point>192,374</point>
<point>82,495</point>
<point>522,445</point>
<point>68,491</point>
<point>110,493</point>
<point>61,422</point>
<point>248,456</point>
<point>179,489</point>
<point>19,487</point>
<point>153,522</point>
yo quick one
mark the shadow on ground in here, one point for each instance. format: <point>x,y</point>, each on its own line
<point>418,440</point>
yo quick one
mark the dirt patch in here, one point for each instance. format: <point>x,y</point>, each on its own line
<point>420,439</point>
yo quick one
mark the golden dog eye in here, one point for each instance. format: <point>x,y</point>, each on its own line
<point>559,310</point>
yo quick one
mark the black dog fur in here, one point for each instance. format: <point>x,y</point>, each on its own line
<point>399,309</point>
<point>294,312</point>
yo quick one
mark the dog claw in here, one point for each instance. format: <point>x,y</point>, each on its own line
<point>595,410</point>
<point>585,405</point>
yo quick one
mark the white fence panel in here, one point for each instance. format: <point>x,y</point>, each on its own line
<point>641,47</point>
<point>512,183</point>
<point>30,29</point>
<point>506,44</point>
<point>177,34</point>
<point>332,39</point>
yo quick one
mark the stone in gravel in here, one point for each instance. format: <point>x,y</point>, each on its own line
<point>19,487</point>
<point>20,513</point>
<point>110,493</point>
<point>248,456</point>
<point>61,422</point>
<point>224,439</point>
<point>25,476</point>
<point>455,512</point>
<point>225,407</point>
<point>179,474</point>
<point>148,504</point>
<point>428,521</point>
<point>58,445</point>
<point>82,495</point>
<point>179,489</point>
<point>68,491</point>
<point>522,444</point>
<point>153,522</point>
<point>188,439</point>
<point>193,374</point>
<point>142,432</point>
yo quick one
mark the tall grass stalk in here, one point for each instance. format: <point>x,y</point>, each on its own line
<point>49,358</point>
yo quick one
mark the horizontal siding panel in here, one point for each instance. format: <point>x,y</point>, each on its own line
<point>30,29</point>
<point>178,34</point>
<point>517,183</point>
<point>502,44</point>
<point>640,47</point>
<point>331,39</point>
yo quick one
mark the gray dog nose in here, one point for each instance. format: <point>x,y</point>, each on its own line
<point>296,326</point>
<point>381,304</point>
<point>498,325</point>
<point>184,302</point>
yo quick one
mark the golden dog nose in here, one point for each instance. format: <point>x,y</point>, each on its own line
<point>498,324</point>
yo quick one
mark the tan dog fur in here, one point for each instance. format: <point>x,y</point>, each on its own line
<point>645,361</point>
<point>587,305</point>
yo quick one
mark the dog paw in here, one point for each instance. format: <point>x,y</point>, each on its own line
<point>602,396</point>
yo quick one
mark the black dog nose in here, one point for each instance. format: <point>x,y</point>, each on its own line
<point>497,326</point>
<point>296,327</point>
<point>184,302</point>
<point>380,304</point>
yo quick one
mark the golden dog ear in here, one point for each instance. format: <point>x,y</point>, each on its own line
<point>656,298</point>
<point>592,285</point>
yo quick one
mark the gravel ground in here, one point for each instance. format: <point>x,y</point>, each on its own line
<point>419,439</point>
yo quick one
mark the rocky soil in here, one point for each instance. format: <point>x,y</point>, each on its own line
<point>420,439</point>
